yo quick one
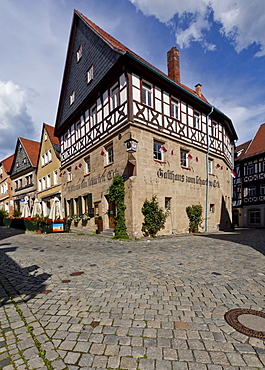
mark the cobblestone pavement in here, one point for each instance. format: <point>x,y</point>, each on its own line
<point>73,301</point>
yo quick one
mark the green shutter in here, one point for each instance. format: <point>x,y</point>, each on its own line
<point>65,208</point>
<point>80,206</point>
<point>71,206</point>
<point>89,200</point>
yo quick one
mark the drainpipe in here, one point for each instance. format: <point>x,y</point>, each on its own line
<point>207,172</point>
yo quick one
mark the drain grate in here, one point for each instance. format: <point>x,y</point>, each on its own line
<point>248,322</point>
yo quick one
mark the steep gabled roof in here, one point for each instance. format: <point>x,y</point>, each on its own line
<point>7,163</point>
<point>257,145</point>
<point>32,149</point>
<point>118,46</point>
<point>54,140</point>
<point>240,150</point>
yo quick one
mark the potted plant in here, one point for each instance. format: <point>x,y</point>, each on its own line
<point>85,217</point>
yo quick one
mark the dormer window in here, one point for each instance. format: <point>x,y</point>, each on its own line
<point>72,97</point>
<point>90,74</point>
<point>79,54</point>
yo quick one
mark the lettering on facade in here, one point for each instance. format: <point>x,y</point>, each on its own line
<point>170,175</point>
<point>87,182</point>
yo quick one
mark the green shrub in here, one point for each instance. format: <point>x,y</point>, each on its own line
<point>16,213</point>
<point>194,213</point>
<point>117,195</point>
<point>154,217</point>
<point>3,214</point>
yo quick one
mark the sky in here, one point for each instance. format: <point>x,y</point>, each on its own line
<point>221,44</point>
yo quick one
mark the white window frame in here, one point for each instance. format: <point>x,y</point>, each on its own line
<point>55,177</point>
<point>43,183</point>
<point>79,53</point>
<point>78,130</point>
<point>48,180</point>
<point>184,162</point>
<point>196,120</point>
<point>251,191</point>
<point>88,165</point>
<point>175,108</point>
<point>50,155</point>
<point>69,174</point>
<point>93,116</point>
<point>114,96</point>
<point>110,154</point>
<point>210,166</point>
<point>262,189</point>
<point>147,93</point>
<point>39,184</point>
<point>250,169</point>
<point>72,97</point>
<point>158,154</point>
<point>90,75</point>
<point>214,129</point>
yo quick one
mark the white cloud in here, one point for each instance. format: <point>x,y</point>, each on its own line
<point>15,120</point>
<point>242,22</point>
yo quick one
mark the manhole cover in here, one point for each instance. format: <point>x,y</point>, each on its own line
<point>66,281</point>
<point>248,322</point>
<point>77,273</point>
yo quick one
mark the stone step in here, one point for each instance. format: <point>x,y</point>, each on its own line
<point>107,232</point>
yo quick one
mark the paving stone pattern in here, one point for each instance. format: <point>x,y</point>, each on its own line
<point>146,304</point>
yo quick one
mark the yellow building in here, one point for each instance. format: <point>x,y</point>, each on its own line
<point>48,170</point>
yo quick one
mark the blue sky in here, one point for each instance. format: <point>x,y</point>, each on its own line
<point>221,43</point>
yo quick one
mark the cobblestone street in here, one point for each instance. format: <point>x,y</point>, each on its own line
<point>72,301</point>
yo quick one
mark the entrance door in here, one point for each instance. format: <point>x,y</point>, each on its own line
<point>111,215</point>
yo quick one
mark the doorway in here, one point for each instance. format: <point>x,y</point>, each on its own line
<point>112,214</point>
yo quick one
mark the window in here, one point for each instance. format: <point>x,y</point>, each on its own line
<point>87,166</point>
<point>46,158</point>
<point>147,94</point>
<point>210,166</point>
<point>39,185</point>
<point>78,130</point>
<point>90,74</point>
<point>262,189</point>
<point>214,129</point>
<point>49,155</point>
<point>174,108</point>
<point>212,208</point>
<point>167,203</point>
<point>254,217</point>
<point>43,183</point>
<point>183,158</point>
<point>110,154</point>
<point>48,181</point>
<point>79,53</point>
<point>252,191</point>
<point>262,169</point>
<point>93,115</point>
<point>16,184</point>
<point>250,169</point>
<point>55,177</point>
<point>158,152</point>
<point>72,97</point>
<point>114,96</point>
<point>69,174</point>
<point>196,120</point>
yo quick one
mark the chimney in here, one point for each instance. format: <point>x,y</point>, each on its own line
<point>198,88</point>
<point>173,64</point>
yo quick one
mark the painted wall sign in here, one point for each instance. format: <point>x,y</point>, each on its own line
<point>197,180</point>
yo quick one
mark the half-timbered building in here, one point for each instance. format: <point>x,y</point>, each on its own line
<point>118,114</point>
<point>23,173</point>
<point>249,182</point>
<point>6,196</point>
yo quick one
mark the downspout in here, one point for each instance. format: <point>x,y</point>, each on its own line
<point>207,173</point>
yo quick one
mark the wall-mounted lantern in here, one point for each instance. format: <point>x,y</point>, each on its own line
<point>131,145</point>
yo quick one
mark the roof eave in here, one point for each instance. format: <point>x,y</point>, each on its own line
<point>187,92</point>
